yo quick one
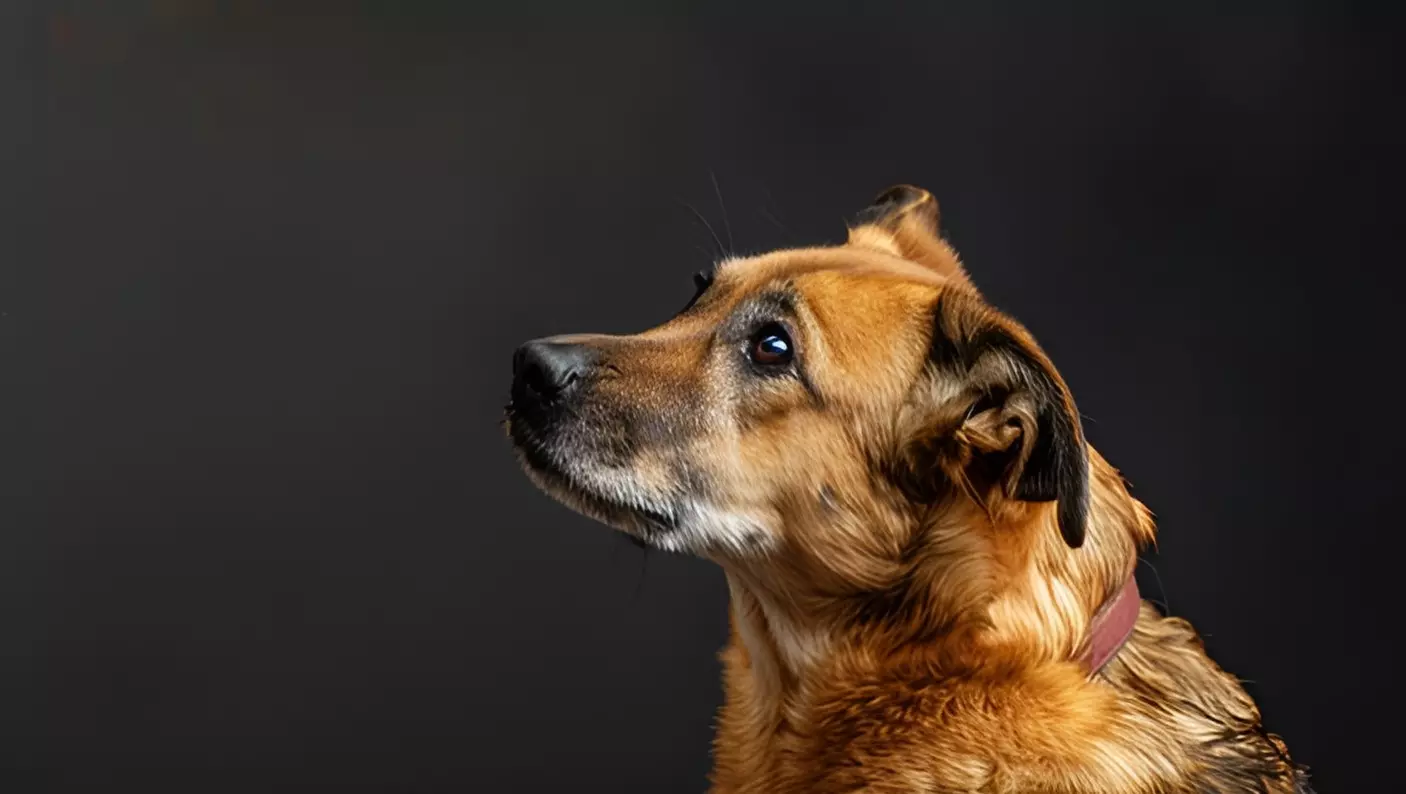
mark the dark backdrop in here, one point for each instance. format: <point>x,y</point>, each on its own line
<point>262,531</point>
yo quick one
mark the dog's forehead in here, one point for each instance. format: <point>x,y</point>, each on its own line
<point>845,260</point>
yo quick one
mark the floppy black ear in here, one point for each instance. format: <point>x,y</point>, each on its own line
<point>1017,408</point>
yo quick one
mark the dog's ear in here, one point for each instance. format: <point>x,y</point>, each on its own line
<point>904,220</point>
<point>999,415</point>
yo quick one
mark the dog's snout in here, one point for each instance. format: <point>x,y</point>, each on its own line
<point>548,370</point>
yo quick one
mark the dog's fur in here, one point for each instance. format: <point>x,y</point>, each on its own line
<point>914,532</point>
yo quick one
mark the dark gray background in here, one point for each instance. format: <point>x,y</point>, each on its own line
<point>261,530</point>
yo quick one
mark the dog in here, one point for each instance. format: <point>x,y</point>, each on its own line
<point>930,570</point>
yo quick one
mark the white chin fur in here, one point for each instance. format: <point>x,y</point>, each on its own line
<point>708,530</point>
<point>699,527</point>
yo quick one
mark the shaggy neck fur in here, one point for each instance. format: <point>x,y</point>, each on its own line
<point>974,661</point>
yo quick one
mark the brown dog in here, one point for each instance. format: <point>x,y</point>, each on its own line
<point>930,571</point>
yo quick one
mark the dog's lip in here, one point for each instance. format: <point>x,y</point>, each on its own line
<point>535,458</point>
<point>659,522</point>
<point>643,520</point>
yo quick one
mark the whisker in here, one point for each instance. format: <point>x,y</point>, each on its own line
<point>766,213</point>
<point>726,223</point>
<point>722,252</point>
<point>790,236</point>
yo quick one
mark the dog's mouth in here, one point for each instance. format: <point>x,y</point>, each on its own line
<point>549,470</point>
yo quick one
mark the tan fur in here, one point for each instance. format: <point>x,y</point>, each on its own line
<point>884,642</point>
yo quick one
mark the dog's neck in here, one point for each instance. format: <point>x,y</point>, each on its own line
<point>798,669</point>
<point>789,635</point>
<point>784,647</point>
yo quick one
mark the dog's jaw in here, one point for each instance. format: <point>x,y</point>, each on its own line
<point>596,498</point>
<point>720,534</point>
<point>685,523</point>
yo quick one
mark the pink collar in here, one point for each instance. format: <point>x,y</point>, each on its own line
<point>1112,625</point>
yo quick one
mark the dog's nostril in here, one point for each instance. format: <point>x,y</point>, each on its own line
<point>532,379</point>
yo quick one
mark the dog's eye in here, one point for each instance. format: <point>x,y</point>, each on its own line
<point>771,346</point>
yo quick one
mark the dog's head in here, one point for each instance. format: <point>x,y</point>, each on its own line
<point>815,409</point>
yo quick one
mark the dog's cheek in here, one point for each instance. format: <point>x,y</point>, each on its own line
<point>726,504</point>
<point>850,531</point>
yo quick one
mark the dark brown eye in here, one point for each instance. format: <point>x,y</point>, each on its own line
<point>771,346</point>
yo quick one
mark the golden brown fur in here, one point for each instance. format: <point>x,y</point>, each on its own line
<point>914,533</point>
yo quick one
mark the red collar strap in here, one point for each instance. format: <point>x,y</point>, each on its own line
<point>1112,625</point>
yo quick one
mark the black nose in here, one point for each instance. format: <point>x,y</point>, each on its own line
<point>547,370</point>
